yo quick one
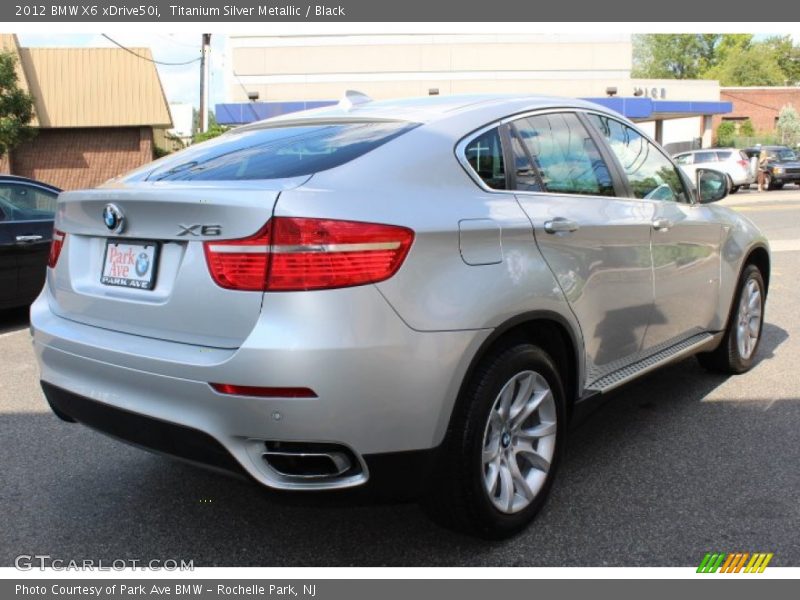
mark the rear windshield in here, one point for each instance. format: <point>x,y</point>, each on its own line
<point>277,152</point>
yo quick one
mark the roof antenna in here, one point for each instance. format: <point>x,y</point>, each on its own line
<point>353,98</point>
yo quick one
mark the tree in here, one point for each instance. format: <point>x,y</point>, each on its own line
<point>789,125</point>
<point>755,65</point>
<point>673,56</point>
<point>787,56</point>
<point>746,129</point>
<point>725,133</point>
<point>16,106</point>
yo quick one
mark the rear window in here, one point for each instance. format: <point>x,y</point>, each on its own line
<point>703,157</point>
<point>277,152</point>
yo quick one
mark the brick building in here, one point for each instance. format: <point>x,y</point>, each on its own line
<point>759,104</point>
<point>98,112</point>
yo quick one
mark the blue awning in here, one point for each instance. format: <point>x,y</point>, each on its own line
<point>636,109</point>
<point>239,113</point>
<point>641,109</point>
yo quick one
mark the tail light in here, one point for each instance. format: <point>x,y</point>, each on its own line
<point>55,247</point>
<point>745,164</point>
<point>291,254</point>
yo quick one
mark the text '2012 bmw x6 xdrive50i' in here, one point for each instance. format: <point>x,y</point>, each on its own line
<point>421,291</point>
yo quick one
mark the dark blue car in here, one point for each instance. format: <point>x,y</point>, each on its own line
<point>27,208</point>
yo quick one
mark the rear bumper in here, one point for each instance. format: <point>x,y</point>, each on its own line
<point>382,388</point>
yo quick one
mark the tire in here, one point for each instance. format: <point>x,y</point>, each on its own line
<point>734,189</point>
<point>733,356</point>
<point>481,447</point>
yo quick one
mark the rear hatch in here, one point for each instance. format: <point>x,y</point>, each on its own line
<point>164,227</point>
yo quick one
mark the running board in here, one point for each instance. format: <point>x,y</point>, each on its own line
<point>689,346</point>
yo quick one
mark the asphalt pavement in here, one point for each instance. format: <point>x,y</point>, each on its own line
<point>676,465</point>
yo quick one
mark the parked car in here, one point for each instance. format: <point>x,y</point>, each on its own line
<point>783,166</point>
<point>26,228</point>
<point>734,163</point>
<point>416,295</point>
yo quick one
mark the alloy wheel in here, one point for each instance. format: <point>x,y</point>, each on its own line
<point>519,442</point>
<point>748,327</point>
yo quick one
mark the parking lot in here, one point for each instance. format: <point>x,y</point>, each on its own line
<point>678,464</point>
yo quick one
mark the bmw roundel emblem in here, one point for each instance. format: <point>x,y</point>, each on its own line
<point>142,264</point>
<point>114,218</point>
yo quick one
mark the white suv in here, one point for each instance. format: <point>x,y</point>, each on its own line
<point>734,163</point>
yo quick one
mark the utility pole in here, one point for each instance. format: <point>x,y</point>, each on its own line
<point>204,67</point>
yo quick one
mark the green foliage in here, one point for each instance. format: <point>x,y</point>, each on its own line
<point>16,106</point>
<point>789,125</point>
<point>725,133</point>
<point>746,128</point>
<point>756,65</point>
<point>672,56</point>
<point>787,55</point>
<point>734,59</point>
<point>159,152</point>
<point>214,130</point>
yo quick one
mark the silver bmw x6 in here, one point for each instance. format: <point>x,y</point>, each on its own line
<point>414,295</point>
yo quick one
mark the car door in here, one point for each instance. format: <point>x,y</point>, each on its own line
<point>26,229</point>
<point>595,240</point>
<point>685,237</point>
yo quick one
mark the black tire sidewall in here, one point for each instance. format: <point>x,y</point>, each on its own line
<point>739,363</point>
<point>523,357</point>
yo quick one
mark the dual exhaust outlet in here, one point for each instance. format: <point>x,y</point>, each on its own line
<point>310,461</point>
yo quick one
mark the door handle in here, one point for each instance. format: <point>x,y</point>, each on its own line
<point>560,225</point>
<point>662,224</point>
<point>29,239</point>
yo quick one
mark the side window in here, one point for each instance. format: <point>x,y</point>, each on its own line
<point>20,202</point>
<point>651,174</point>
<point>684,159</point>
<point>485,155</point>
<point>706,157</point>
<point>564,155</point>
<point>724,155</point>
<point>526,176</point>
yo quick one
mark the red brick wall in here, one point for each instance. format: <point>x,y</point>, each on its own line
<point>80,158</point>
<point>761,106</point>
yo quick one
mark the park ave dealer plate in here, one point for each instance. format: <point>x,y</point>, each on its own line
<point>130,264</point>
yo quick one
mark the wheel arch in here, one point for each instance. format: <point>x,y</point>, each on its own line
<point>758,256</point>
<point>550,331</point>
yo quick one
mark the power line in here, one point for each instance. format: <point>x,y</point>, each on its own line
<point>157,62</point>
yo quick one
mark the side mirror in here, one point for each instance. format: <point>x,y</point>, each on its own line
<point>711,185</point>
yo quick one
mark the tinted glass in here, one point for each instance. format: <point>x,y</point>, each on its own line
<point>704,157</point>
<point>684,159</point>
<point>526,177</point>
<point>485,155</point>
<point>564,155</point>
<point>724,155</point>
<point>782,154</point>
<point>275,152</point>
<point>20,202</point>
<point>651,174</point>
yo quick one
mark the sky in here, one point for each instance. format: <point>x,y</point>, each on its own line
<point>181,83</point>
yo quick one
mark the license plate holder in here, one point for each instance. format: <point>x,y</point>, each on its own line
<point>130,264</point>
